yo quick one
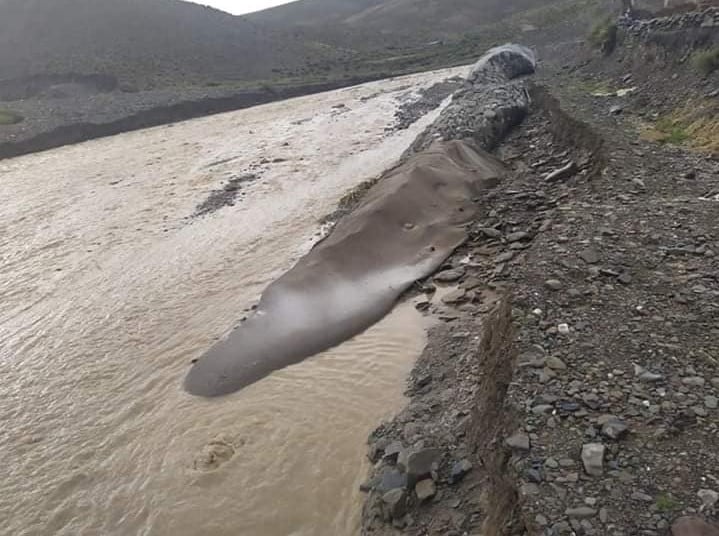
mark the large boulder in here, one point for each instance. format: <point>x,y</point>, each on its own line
<point>510,61</point>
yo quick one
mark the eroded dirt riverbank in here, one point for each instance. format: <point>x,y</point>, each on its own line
<point>571,386</point>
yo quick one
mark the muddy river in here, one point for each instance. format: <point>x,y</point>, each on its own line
<point>109,288</point>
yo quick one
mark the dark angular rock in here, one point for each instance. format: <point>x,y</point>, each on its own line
<point>391,479</point>
<point>491,232</point>
<point>581,512</point>
<point>568,406</point>
<point>449,276</point>
<point>419,464</point>
<point>518,442</point>
<point>395,502</point>
<point>516,237</point>
<point>553,284</point>
<point>614,428</point>
<point>392,450</point>
<point>460,470</point>
<point>590,256</point>
<point>535,475</point>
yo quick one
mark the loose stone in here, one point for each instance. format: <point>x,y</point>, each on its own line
<point>555,363</point>
<point>590,256</point>
<point>396,503</point>
<point>553,284</point>
<point>709,498</point>
<point>516,237</point>
<point>518,441</point>
<point>419,464</point>
<point>581,512</point>
<point>593,458</point>
<point>614,428</point>
<point>449,276</point>
<point>694,381</point>
<point>425,489</point>
<point>460,470</point>
<point>491,233</point>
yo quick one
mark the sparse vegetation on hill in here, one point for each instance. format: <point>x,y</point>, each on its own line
<point>671,131</point>
<point>706,61</point>
<point>694,125</point>
<point>8,117</point>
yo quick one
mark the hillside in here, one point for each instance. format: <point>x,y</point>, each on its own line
<point>149,44</point>
<point>390,22</point>
<point>144,43</point>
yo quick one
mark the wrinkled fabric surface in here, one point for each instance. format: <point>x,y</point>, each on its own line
<point>407,225</point>
<point>405,228</point>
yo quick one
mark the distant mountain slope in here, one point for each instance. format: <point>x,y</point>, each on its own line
<point>146,42</point>
<point>344,22</point>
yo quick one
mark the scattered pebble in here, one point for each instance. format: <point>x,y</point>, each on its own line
<point>459,470</point>
<point>581,512</point>
<point>518,441</point>
<point>553,284</point>
<point>709,498</point>
<point>593,458</point>
<point>425,489</point>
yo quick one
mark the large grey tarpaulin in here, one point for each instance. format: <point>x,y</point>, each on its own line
<point>406,226</point>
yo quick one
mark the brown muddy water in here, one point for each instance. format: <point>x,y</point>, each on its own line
<point>108,291</point>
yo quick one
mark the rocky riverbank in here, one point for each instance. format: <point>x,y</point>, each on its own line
<point>570,385</point>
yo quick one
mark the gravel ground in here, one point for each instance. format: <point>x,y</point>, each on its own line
<point>596,412</point>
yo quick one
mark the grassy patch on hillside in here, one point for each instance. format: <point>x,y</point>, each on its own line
<point>8,117</point>
<point>667,504</point>
<point>594,87</point>
<point>696,125</point>
<point>672,131</point>
<point>667,130</point>
<point>706,61</point>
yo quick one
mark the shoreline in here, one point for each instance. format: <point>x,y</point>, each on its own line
<point>163,114</point>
